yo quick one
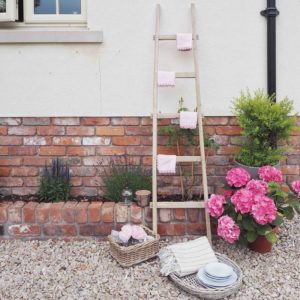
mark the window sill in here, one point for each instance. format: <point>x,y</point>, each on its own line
<point>13,36</point>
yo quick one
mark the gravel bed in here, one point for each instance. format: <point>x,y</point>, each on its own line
<point>84,270</point>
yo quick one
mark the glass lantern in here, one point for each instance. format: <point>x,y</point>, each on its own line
<point>127,196</point>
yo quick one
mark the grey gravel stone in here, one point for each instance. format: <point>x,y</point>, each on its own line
<point>84,270</point>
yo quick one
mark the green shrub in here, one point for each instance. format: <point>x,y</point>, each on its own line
<point>264,123</point>
<point>121,175</point>
<point>55,182</point>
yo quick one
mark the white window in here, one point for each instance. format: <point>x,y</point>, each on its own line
<point>8,9</point>
<point>55,11</point>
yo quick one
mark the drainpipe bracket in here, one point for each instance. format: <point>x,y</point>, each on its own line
<point>270,12</point>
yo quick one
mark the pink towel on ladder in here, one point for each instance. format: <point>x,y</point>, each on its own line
<point>166,78</point>
<point>188,119</point>
<point>184,41</point>
<point>166,164</point>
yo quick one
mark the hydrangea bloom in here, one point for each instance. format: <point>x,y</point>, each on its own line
<point>243,200</point>
<point>268,173</point>
<point>237,177</point>
<point>263,210</point>
<point>215,205</point>
<point>228,193</point>
<point>228,230</point>
<point>257,187</point>
<point>125,233</point>
<point>296,187</point>
<point>138,232</point>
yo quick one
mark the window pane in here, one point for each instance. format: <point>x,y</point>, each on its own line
<point>68,7</point>
<point>45,7</point>
<point>2,6</point>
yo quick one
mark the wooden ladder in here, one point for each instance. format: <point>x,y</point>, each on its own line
<point>194,75</point>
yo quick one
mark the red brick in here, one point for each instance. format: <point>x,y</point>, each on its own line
<point>10,140</point>
<point>10,121</point>
<point>121,213</point>
<point>196,229</point>
<point>126,140</point>
<point>51,130</point>
<point>15,212</point>
<point>108,212</point>
<point>3,130</point>
<point>193,214</point>
<point>22,130</point>
<point>53,150</point>
<point>24,230</point>
<point>148,214</point>
<point>171,229</point>
<point>68,211</point>
<point>218,160</point>
<point>179,214</point>
<point>24,191</point>
<point>138,130</point>
<point>228,130</point>
<point>60,230</point>
<point>216,120</point>
<point>92,181</point>
<point>36,121</point>
<point>3,211</point>
<point>148,121</point>
<point>42,212</point>
<point>24,171</point>
<point>146,140</point>
<point>10,181</point>
<point>222,140</point>
<point>96,161</point>
<point>24,150</point>
<point>96,141</point>
<point>125,121</point>
<point>147,161</point>
<point>166,150</point>
<point>112,150</point>
<point>37,141</point>
<point>84,191</point>
<point>81,151</point>
<point>209,130</point>
<point>233,121</point>
<point>141,150</point>
<point>31,181</point>
<point>110,131</point>
<point>136,214</point>
<point>81,212</point>
<point>95,121</point>
<point>164,215</point>
<point>75,181</point>
<point>228,150</point>
<point>3,150</point>
<point>67,141</point>
<point>83,171</point>
<point>94,212</point>
<point>29,212</point>
<point>290,170</point>
<point>80,130</point>
<point>4,171</point>
<point>56,212</point>
<point>87,230</point>
<point>103,229</point>
<point>36,161</point>
<point>66,121</point>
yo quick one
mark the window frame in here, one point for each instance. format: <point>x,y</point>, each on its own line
<point>30,17</point>
<point>11,12</point>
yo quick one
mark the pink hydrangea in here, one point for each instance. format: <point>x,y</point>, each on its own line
<point>125,233</point>
<point>237,177</point>
<point>268,173</point>
<point>228,193</point>
<point>263,210</point>
<point>228,230</point>
<point>138,233</point>
<point>215,205</point>
<point>296,187</point>
<point>257,187</point>
<point>243,200</point>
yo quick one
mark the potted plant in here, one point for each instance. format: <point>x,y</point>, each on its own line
<point>264,123</point>
<point>251,210</point>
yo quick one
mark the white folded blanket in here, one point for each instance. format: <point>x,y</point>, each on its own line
<point>186,258</point>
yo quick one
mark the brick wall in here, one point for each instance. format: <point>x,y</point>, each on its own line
<point>27,144</point>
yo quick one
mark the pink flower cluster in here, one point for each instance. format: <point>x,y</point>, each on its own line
<point>268,173</point>
<point>296,187</point>
<point>228,230</point>
<point>215,205</point>
<point>263,210</point>
<point>237,177</point>
<point>257,187</point>
<point>242,200</point>
<point>134,231</point>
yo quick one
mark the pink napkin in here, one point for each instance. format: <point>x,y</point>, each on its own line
<point>184,41</point>
<point>188,119</point>
<point>166,78</point>
<point>166,163</point>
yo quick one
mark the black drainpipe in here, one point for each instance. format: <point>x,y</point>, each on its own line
<point>271,13</point>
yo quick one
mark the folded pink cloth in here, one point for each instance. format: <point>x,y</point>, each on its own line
<point>188,119</point>
<point>166,164</point>
<point>184,41</point>
<point>166,78</point>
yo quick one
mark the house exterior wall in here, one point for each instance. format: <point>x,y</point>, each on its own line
<point>115,78</point>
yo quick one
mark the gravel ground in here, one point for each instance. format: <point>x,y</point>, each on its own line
<point>85,270</point>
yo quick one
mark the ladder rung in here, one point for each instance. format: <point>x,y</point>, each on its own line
<point>185,75</point>
<point>183,204</point>
<point>168,37</point>
<point>188,158</point>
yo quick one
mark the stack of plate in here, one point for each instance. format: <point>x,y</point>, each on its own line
<point>216,275</point>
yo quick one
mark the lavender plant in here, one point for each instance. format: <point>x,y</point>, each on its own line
<point>55,182</point>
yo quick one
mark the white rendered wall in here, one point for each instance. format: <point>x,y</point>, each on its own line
<point>115,78</point>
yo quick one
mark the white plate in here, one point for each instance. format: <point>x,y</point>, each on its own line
<point>218,270</point>
<point>215,283</point>
<point>216,278</point>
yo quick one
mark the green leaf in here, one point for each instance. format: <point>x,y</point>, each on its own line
<point>278,221</point>
<point>247,224</point>
<point>288,212</point>
<point>271,237</point>
<point>263,230</point>
<point>251,236</point>
<point>296,205</point>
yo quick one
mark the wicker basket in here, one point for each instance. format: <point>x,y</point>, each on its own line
<point>132,255</point>
<point>190,284</point>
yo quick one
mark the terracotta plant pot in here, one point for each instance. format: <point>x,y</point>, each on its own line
<point>143,197</point>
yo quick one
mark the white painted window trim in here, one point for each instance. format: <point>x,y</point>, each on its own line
<point>30,17</point>
<point>11,10</point>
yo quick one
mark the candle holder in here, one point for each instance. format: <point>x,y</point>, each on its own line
<point>127,196</point>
